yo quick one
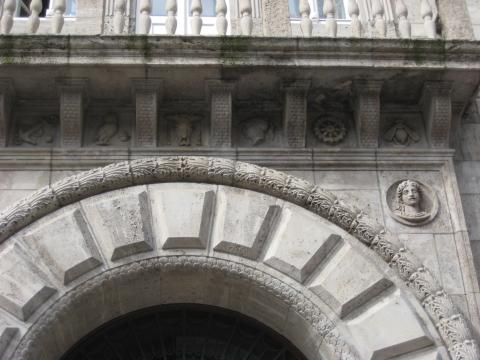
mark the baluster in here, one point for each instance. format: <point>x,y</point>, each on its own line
<point>57,19</point>
<point>331,21</point>
<point>354,13</point>
<point>246,22</point>
<point>378,13</point>
<point>428,22</point>
<point>171,23</point>
<point>145,21</point>
<point>196,11</point>
<point>9,8</point>
<point>306,23</point>
<point>221,11</point>
<point>34,19</point>
<point>119,16</point>
<point>404,26</point>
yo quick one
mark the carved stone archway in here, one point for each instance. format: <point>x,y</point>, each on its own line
<point>286,245</point>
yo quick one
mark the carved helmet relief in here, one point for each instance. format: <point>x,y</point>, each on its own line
<point>37,133</point>
<point>257,130</point>
<point>185,130</point>
<point>110,130</point>
<point>412,202</point>
<point>401,134</point>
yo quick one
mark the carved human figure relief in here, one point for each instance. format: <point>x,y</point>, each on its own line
<point>412,202</point>
<point>401,134</point>
<point>257,130</point>
<point>109,129</point>
<point>39,133</point>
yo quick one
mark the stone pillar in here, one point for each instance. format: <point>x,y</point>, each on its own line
<point>367,111</point>
<point>295,113</point>
<point>72,103</point>
<point>220,95</point>
<point>455,20</point>
<point>7,95</point>
<point>148,93</point>
<point>276,18</point>
<point>437,112</point>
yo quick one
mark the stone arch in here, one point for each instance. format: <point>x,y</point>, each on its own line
<point>39,278</point>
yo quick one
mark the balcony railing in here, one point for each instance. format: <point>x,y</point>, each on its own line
<point>377,25</point>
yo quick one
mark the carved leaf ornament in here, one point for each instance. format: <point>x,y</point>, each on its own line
<point>452,326</point>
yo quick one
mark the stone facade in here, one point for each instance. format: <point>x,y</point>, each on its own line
<point>324,185</point>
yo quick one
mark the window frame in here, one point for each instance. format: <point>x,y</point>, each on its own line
<point>49,10</point>
<point>315,13</point>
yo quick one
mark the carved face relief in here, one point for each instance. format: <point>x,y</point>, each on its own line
<point>412,203</point>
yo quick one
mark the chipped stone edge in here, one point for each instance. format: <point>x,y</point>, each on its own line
<point>452,326</point>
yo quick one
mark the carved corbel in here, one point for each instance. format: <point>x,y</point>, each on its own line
<point>220,95</point>
<point>367,111</point>
<point>147,93</point>
<point>73,98</point>
<point>436,103</point>
<point>7,95</point>
<point>295,112</point>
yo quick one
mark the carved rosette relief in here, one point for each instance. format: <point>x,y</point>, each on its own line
<point>330,130</point>
<point>412,202</point>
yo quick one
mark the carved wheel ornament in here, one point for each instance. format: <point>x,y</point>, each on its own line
<point>451,324</point>
<point>330,130</point>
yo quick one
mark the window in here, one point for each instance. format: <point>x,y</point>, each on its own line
<point>23,8</point>
<point>159,17</point>
<point>316,9</point>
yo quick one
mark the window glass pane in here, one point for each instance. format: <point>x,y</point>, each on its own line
<point>293,6</point>
<point>71,9</point>
<point>158,8</point>
<point>208,8</point>
<point>339,6</point>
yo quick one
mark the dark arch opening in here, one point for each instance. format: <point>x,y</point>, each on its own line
<point>184,332</point>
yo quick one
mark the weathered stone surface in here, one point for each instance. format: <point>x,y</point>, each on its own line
<point>347,282</point>
<point>22,288</point>
<point>183,218</point>
<point>276,18</point>
<point>7,333</point>
<point>405,333</point>
<point>300,245</point>
<point>244,220</point>
<point>70,251</point>
<point>122,220</point>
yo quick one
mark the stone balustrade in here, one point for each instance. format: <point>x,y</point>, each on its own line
<point>360,22</point>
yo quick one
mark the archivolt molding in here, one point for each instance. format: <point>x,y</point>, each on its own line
<point>452,326</point>
<point>294,298</point>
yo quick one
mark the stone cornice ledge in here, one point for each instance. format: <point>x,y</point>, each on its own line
<point>235,51</point>
<point>452,326</point>
<point>284,159</point>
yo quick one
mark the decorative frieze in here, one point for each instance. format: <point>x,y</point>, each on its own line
<point>147,92</point>
<point>295,113</point>
<point>367,111</point>
<point>6,97</point>
<point>72,103</point>
<point>437,112</point>
<point>220,97</point>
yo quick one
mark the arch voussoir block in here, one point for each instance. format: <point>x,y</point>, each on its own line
<point>122,221</point>
<point>7,333</point>
<point>69,256</point>
<point>22,288</point>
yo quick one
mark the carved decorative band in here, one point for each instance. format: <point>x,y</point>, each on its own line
<point>324,327</point>
<point>456,334</point>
